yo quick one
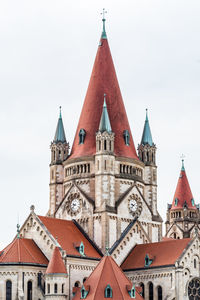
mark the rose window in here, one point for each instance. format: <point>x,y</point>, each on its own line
<point>194,289</point>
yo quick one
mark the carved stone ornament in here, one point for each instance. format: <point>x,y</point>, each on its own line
<point>73,204</point>
<point>134,205</point>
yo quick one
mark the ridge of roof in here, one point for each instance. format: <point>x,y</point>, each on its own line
<point>56,264</point>
<point>103,80</point>
<point>183,196</point>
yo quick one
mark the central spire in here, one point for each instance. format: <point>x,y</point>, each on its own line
<point>105,122</point>
<point>103,80</point>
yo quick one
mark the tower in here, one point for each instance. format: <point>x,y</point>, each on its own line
<point>182,214</point>
<point>105,183</point>
<point>59,152</point>
<point>147,154</point>
<point>104,172</point>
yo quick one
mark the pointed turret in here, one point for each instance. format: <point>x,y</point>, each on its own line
<point>183,196</point>
<point>182,214</point>
<point>146,136</point>
<point>105,121</point>
<point>56,264</point>
<point>103,80</point>
<point>60,132</point>
<point>56,277</point>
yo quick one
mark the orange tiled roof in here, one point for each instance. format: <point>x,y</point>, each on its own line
<point>68,235</point>
<point>56,264</point>
<point>107,272</point>
<point>22,250</point>
<point>163,253</point>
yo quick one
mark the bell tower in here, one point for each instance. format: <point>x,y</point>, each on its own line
<point>59,153</point>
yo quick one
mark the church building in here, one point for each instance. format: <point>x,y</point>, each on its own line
<point>102,234</point>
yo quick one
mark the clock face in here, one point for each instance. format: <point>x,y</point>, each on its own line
<point>133,205</point>
<point>75,204</point>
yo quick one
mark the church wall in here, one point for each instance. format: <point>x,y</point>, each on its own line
<point>112,230</point>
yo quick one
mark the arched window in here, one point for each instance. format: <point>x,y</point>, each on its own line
<point>99,145</point>
<point>142,286</point>
<point>82,134</point>
<point>63,288</point>
<point>8,290</point>
<point>126,137</point>
<point>29,290</point>
<point>150,291</point>
<point>108,291</point>
<point>105,144</point>
<point>48,288</point>
<point>84,279</point>
<point>77,284</point>
<point>160,297</point>
<point>55,288</point>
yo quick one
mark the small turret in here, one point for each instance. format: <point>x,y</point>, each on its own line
<point>183,213</point>
<point>57,285</point>
<point>147,148</point>
<point>59,153</point>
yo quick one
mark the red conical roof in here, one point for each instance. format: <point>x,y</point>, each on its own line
<point>103,81</point>
<point>106,273</point>
<point>56,264</point>
<point>183,194</point>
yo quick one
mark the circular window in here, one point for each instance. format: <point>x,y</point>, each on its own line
<point>194,289</point>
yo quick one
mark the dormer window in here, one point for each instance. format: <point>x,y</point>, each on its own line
<point>192,200</point>
<point>82,134</point>
<point>148,261</point>
<point>132,292</point>
<point>80,248</point>
<point>108,291</point>
<point>176,201</point>
<point>84,292</point>
<point>126,137</point>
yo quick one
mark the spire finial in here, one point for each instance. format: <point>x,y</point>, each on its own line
<point>182,158</point>
<point>18,235</point>
<point>60,107</point>
<point>104,36</point>
<point>107,251</point>
<point>146,114</point>
<point>104,103</point>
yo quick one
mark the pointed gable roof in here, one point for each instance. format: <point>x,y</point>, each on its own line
<point>56,264</point>
<point>146,136</point>
<point>183,195</point>
<point>106,273</point>
<point>60,132</point>
<point>163,253</point>
<point>23,251</point>
<point>103,81</point>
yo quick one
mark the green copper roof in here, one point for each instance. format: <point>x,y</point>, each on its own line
<point>146,136</point>
<point>105,121</point>
<point>60,132</point>
<point>183,167</point>
<point>103,35</point>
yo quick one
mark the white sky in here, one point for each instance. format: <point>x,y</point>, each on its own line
<point>47,50</point>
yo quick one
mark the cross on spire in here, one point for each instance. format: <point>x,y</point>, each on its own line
<point>103,36</point>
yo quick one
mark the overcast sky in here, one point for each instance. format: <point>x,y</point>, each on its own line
<point>47,50</point>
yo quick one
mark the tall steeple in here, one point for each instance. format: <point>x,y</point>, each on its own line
<point>60,132</point>
<point>182,214</point>
<point>105,121</point>
<point>103,80</point>
<point>59,153</point>
<point>103,35</point>
<point>146,136</point>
